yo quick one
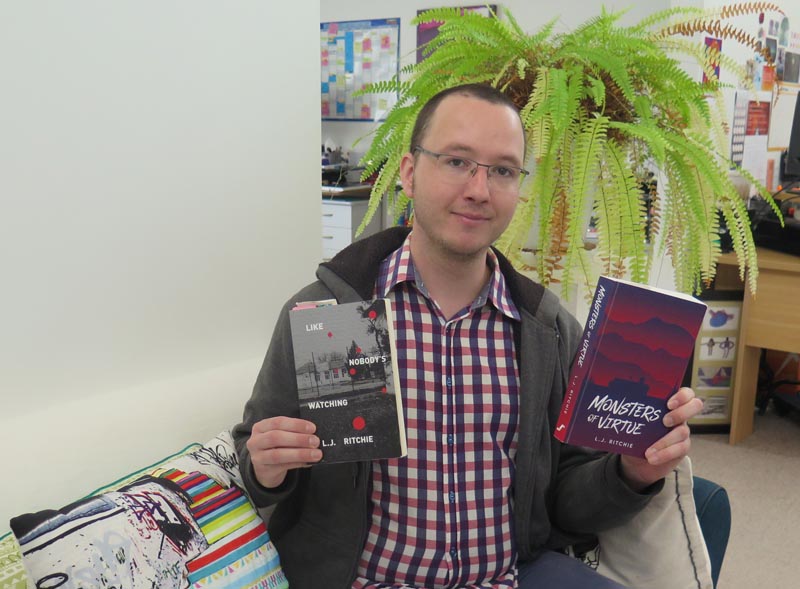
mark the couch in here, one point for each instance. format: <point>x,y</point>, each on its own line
<point>192,503</point>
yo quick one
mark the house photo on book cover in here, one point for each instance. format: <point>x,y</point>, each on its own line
<point>347,378</point>
<point>632,358</point>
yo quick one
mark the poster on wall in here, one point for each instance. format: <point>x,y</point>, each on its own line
<point>426,32</point>
<point>783,101</point>
<point>751,120</point>
<point>713,45</point>
<point>352,55</point>
<point>711,371</point>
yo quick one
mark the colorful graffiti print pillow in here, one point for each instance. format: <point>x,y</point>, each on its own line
<point>187,523</point>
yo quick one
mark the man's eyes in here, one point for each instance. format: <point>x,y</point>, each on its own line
<point>455,162</point>
<point>459,163</point>
<point>503,172</point>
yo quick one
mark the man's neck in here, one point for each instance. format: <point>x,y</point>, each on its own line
<point>452,282</point>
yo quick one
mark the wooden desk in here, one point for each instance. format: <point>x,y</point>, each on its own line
<point>770,320</point>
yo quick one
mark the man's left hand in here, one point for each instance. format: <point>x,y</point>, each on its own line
<point>665,454</point>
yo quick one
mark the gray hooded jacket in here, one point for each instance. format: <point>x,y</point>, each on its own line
<point>562,494</point>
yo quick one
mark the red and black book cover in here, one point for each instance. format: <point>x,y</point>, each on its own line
<point>636,345</point>
<point>347,378</point>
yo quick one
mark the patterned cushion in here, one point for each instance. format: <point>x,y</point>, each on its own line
<point>12,570</point>
<point>12,573</point>
<point>183,523</point>
<point>662,547</point>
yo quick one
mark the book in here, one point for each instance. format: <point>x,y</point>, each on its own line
<point>347,378</point>
<point>632,358</point>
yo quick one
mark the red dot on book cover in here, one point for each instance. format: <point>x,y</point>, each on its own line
<point>358,350</point>
<point>383,389</point>
<point>359,423</point>
<point>372,314</point>
<point>352,372</point>
<point>330,334</point>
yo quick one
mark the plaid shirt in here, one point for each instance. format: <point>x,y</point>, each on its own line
<point>442,516</point>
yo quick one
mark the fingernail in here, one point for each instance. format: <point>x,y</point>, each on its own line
<point>668,421</point>
<point>316,454</point>
<point>313,441</point>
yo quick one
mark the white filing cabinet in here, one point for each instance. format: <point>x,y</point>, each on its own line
<point>341,218</point>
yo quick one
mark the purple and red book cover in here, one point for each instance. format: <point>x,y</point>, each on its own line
<point>347,378</point>
<point>633,354</point>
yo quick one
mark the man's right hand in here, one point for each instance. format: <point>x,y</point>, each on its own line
<point>279,444</point>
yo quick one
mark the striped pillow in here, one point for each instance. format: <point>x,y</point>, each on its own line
<point>185,523</point>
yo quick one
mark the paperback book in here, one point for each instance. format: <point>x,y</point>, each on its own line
<point>632,358</point>
<point>347,378</point>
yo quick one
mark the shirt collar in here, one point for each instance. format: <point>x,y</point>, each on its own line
<point>398,267</point>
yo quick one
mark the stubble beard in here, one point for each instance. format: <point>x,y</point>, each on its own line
<point>446,249</point>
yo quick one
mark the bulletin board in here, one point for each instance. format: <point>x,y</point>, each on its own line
<point>352,55</point>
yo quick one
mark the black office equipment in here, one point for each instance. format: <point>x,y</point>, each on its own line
<point>791,165</point>
<point>769,232</point>
<point>782,232</point>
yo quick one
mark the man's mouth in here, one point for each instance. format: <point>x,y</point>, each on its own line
<point>475,217</point>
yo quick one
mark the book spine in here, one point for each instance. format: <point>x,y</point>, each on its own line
<point>398,395</point>
<point>585,357</point>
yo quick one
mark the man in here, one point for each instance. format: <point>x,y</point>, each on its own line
<point>486,496</point>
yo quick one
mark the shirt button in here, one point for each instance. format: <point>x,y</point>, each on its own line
<point>450,439</point>
<point>448,381</point>
<point>452,552</point>
<point>452,496</point>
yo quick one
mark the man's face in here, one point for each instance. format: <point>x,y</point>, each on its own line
<point>463,219</point>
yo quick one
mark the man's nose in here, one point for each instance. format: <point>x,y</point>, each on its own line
<point>478,184</point>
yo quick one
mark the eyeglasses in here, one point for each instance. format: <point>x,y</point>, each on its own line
<point>458,170</point>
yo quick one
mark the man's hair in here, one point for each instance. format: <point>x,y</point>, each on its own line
<point>483,92</point>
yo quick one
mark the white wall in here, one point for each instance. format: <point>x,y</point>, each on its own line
<point>159,200</point>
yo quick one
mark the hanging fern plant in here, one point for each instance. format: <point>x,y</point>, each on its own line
<point>601,106</point>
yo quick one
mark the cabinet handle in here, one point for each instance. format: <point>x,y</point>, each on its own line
<point>327,237</point>
<point>327,214</point>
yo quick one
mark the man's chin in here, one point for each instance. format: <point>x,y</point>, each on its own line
<point>465,250</point>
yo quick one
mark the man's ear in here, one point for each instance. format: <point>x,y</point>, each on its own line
<point>407,174</point>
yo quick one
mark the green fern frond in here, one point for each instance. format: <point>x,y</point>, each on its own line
<point>382,87</point>
<point>386,181</point>
<point>673,15</point>
<point>646,131</point>
<point>537,114</point>
<point>587,153</point>
<point>602,93</point>
<point>617,212</point>
<point>435,15</point>
<point>596,59</point>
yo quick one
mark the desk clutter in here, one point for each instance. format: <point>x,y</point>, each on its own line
<point>780,233</point>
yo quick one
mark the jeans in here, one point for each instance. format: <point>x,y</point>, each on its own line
<point>553,570</point>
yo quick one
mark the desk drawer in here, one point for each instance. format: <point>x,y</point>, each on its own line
<point>342,214</point>
<point>336,238</point>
